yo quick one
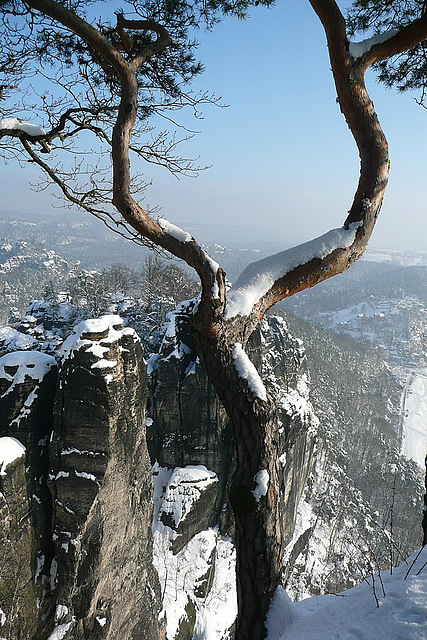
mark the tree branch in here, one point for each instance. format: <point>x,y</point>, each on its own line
<point>406,38</point>
<point>358,110</point>
<point>212,281</point>
<point>355,105</point>
<point>93,37</point>
<point>315,262</point>
<point>147,50</point>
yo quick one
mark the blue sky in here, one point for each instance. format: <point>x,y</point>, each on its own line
<point>284,165</point>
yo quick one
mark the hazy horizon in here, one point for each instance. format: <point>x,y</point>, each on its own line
<point>284,165</point>
<point>230,236</point>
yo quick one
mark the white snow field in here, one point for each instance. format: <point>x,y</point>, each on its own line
<point>399,612</point>
<point>415,418</point>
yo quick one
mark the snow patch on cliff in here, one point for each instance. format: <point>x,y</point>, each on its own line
<point>60,632</point>
<point>202,573</point>
<point>96,336</point>
<point>261,480</point>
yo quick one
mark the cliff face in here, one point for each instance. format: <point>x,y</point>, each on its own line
<point>194,466</point>
<point>27,387</point>
<point>98,570</point>
<point>101,485</point>
<point>85,500</point>
<point>18,593</point>
<point>190,425</point>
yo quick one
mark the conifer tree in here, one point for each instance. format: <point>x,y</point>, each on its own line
<point>108,80</point>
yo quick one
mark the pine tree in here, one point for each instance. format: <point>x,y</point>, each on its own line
<point>121,73</point>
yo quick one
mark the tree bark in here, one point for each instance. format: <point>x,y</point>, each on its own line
<point>258,520</point>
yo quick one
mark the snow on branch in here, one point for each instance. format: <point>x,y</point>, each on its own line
<point>15,124</point>
<point>358,49</point>
<point>174,231</point>
<point>246,370</point>
<point>258,277</point>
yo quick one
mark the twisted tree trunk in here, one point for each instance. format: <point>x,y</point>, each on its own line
<point>255,491</point>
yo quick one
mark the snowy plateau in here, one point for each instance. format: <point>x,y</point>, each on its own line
<point>346,364</point>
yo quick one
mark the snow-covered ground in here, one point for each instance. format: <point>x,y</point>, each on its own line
<point>391,608</point>
<point>414,411</point>
<point>402,258</point>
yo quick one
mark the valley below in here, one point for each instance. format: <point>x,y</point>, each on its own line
<point>346,363</point>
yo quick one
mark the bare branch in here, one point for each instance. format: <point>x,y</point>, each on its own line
<point>355,104</point>
<point>146,50</point>
<point>132,212</point>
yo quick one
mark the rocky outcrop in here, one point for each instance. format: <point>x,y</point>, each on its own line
<point>184,499</point>
<point>101,486</point>
<point>76,510</point>
<point>191,428</point>
<point>281,359</point>
<point>190,425</point>
<point>195,563</point>
<point>27,387</point>
<point>89,550</point>
<point>18,594</point>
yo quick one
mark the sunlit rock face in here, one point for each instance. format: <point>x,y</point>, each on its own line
<point>27,387</point>
<point>281,360</point>
<point>101,485</point>
<point>86,541</point>
<point>191,443</point>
